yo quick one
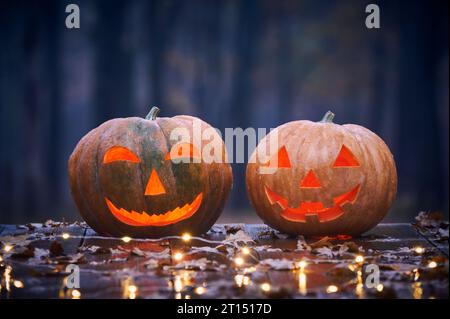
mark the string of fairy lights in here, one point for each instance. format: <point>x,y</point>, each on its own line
<point>240,257</point>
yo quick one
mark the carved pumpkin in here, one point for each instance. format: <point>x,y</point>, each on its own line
<point>326,179</point>
<point>126,182</point>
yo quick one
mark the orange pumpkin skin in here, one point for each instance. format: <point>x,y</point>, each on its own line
<point>125,184</point>
<point>332,180</point>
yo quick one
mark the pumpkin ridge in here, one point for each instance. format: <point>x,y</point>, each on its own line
<point>75,178</point>
<point>108,128</point>
<point>226,183</point>
<point>145,129</point>
<point>89,147</point>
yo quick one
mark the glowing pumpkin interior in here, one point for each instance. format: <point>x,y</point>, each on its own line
<point>154,187</point>
<point>310,210</point>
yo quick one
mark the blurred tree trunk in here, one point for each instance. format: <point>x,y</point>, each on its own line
<point>162,17</point>
<point>419,137</point>
<point>246,48</point>
<point>113,61</point>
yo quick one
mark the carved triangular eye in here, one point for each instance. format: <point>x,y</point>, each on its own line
<point>345,158</point>
<point>280,160</point>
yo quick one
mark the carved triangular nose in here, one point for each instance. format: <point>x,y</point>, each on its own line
<point>154,185</point>
<point>310,181</point>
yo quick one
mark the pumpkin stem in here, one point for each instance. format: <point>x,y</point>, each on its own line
<point>328,117</point>
<point>153,113</point>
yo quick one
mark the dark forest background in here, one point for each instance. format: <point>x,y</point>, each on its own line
<point>244,63</point>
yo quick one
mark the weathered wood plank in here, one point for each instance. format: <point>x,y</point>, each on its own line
<point>116,265</point>
<point>434,239</point>
<point>12,230</point>
<point>395,230</point>
<point>208,268</point>
<point>42,278</point>
<point>385,240</point>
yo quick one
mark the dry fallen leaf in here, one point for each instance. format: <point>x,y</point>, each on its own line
<point>325,251</point>
<point>151,254</point>
<point>95,250</point>
<point>278,264</point>
<point>239,237</point>
<point>267,248</point>
<point>429,219</point>
<point>222,249</point>
<point>30,226</point>
<point>323,242</point>
<point>202,264</point>
<point>56,249</point>
<point>78,258</point>
<point>302,245</point>
<point>352,247</point>
<point>51,223</point>
<point>21,252</point>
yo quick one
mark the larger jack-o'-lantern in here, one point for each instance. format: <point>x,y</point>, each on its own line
<point>127,180</point>
<point>323,179</point>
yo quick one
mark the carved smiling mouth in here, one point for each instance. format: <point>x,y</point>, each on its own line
<point>312,209</point>
<point>134,218</point>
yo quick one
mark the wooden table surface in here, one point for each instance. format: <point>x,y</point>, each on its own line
<point>34,258</point>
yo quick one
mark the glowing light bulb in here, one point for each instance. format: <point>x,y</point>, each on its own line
<point>302,283</point>
<point>331,289</point>
<point>126,239</point>
<point>416,274</point>
<point>1,259</point>
<point>18,284</point>
<point>266,287</point>
<point>239,279</point>
<point>186,237</point>
<point>76,294</point>
<point>132,289</point>
<point>65,236</point>
<point>7,278</point>
<point>419,250</point>
<point>359,259</point>
<point>178,284</point>
<point>245,250</point>
<point>239,261</point>
<point>7,248</point>
<point>302,264</point>
<point>178,256</point>
<point>380,287</point>
<point>417,290</point>
<point>432,264</point>
<point>200,290</point>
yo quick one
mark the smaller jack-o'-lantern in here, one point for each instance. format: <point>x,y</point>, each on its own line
<point>128,178</point>
<point>325,179</point>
